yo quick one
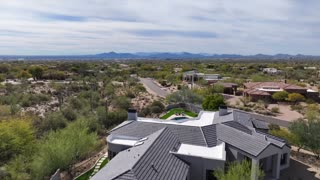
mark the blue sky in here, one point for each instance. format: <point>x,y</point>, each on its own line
<point>74,27</point>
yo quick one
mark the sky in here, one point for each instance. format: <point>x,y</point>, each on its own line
<point>76,27</point>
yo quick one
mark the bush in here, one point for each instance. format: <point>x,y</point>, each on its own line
<point>237,171</point>
<point>16,137</point>
<point>121,102</point>
<point>273,127</point>
<point>295,97</point>
<point>62,148</point>
<point>213,102</point>
<point>52,121</point>
<point>69,114</point>
<point>275,109</point>
<point>280,96</point>
<point>114,118</point>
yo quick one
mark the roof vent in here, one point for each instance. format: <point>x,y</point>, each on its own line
<point>223,110</point>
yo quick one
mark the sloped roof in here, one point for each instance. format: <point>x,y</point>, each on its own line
<point>238,126</point>
<point>241,140</point>
<point>150,160</point>
<point>186,134</point>
<point>282,85</point>
<point>210,135</point>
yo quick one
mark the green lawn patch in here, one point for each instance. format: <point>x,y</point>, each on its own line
<point>179,111</point>
<point>87,175</point>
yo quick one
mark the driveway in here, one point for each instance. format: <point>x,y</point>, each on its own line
<point>153,87</point>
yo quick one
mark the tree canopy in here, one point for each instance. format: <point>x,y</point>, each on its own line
<point>213,102</point>
<point>280,96</point>
<point>237,171</point>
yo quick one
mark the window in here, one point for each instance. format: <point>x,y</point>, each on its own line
<point>283,159</point>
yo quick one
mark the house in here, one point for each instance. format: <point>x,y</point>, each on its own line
<point>228,88</point>
<point>192,149</point>
<point>310,68</point>
<point>193,75</point>
<point>264,90</point>
<point>271,71</point>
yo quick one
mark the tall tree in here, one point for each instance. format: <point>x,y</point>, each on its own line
<point>213,102</point>
<point>36,72</point>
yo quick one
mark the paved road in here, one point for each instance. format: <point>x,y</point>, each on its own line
<point>151,86</point>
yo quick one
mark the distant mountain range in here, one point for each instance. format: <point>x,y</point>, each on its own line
<point>186,55</point>
<point>160,55</point>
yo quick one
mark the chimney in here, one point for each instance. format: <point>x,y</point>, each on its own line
<point>132,114</point>
<point>223,110</point>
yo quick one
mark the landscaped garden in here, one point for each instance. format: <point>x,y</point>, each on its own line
<point>179,111</point>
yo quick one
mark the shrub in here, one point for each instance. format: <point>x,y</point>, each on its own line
<point>275,109</point>
<point>69,114</point>
<point>52,121</point>
<point>62,148</point>
<point>295,97</point>
<point>280,96</point>
<point>236,171</point>
<point>273,127</point>
<point>213,102</point>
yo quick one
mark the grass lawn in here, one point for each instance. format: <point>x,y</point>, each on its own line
<point>86,175</point>
<point>179,110</point>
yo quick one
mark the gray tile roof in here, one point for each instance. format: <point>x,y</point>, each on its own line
<point>273,139</point>
<point>243,118</point>
<point>260,124</point>
<point>151,160</point>
<point>238,126</point>
<point>186,134</point>
<point>251,144</point>
<point>210,135</point>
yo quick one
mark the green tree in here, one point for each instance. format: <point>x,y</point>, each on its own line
<point>280,96</point>
<point>295,97</point>
<point>62,148</point>
<point>237,171</point>
<point>69,114</point>
<point>217,88</point>
<point>52,121</point>
<point>36,72</point>
<point>213,102</point>
<point>16,137</point>
<point>185,95</point>
<point>121,102</point>
<point>299,128</point>
<point>24,75</point>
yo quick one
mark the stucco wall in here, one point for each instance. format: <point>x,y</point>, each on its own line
<point>199,166</point>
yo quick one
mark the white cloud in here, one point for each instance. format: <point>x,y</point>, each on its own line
<point>89,27</point>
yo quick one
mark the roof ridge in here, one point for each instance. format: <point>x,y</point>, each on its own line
<point>125,173</point>
<point>204,137</point>
<point>152,143</point>
<point>117,127</point>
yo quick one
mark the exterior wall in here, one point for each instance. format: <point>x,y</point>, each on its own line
<point>199,166</point>
<point>271,156</point>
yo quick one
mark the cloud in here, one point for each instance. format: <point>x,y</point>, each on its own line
<point>160,33</point>
<point>211,26</point>
<point>61,17</point>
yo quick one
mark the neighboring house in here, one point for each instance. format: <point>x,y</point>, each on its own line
<point>264,90</point>
<point>176,70</point>
<point>271,71</point>
<point>190,76</point>
<point>229,88</point>
<point>192,149</point>
<point>310,68</point>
